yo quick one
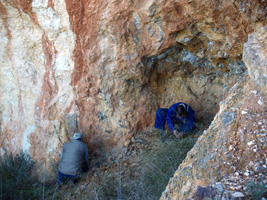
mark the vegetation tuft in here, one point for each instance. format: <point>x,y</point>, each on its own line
<point>256,189</point>
<point>16,179</point>
<point>161,165</point>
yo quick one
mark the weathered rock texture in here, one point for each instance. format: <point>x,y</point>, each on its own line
<point>255,56</point>
<point>236,139</point>
<point>104,67</point>
<point>37,47</point>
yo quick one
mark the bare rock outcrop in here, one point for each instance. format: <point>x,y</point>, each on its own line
<point>255,56</point>
<point>36,98</point>
<point>235,142</point>
<point>103,67</point>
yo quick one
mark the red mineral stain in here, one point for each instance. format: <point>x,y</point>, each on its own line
<point>49,88</point>
<point>85,17</point>
<point>4,17</point>
<point>51,4</point>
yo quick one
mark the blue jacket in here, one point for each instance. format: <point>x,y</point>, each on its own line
<point>187,123</point>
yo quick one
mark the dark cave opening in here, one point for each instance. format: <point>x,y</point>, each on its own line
<point>178,75</point>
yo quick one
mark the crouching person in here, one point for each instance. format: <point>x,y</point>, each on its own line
<point>180,119</point>
<point>74,160</point>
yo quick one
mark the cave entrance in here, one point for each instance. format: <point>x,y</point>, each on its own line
<point>178,75</point>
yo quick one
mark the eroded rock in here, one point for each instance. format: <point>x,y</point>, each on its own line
<point>255,55</point>
<point>233,146</point>
<point>103,67</point>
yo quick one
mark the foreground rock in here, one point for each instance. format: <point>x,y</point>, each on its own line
<point>233,149</point>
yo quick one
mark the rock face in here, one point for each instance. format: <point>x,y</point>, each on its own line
<point>235,142</point>
<point>103,67</point>
<point>37,47</point>
<point>255,55</point>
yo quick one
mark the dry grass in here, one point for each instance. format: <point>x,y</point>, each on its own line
<point>141,172</point>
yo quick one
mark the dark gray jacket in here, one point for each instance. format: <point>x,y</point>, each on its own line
<point>73,156</point>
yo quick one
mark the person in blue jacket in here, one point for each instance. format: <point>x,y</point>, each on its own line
<point>180,119</point>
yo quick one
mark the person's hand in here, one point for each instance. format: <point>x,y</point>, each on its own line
<point>179,135</point>
<point>175,132</point>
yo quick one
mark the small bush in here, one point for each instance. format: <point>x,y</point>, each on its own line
<point>16,179</point>
<point>256,190</point>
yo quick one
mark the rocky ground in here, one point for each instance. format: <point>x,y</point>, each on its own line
<point>235,186</point>
<point>128,165</point>
<point>110,173</point>
<point>128,168</point>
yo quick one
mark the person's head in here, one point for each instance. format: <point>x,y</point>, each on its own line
<point>180,111</point>
<point>77,136</point>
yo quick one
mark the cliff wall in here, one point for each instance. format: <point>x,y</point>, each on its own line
<point>103,67</point>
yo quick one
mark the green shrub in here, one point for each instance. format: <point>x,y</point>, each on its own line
<point>161,165</point>
<point>16,179</point>
<point>256,189</point>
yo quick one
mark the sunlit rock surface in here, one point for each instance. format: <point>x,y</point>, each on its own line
<point>37,101</point>
<point>103,67</point>
<point>236,139</point>
<point>255,56</point>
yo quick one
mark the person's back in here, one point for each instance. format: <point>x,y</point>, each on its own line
<point>73,157</point>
